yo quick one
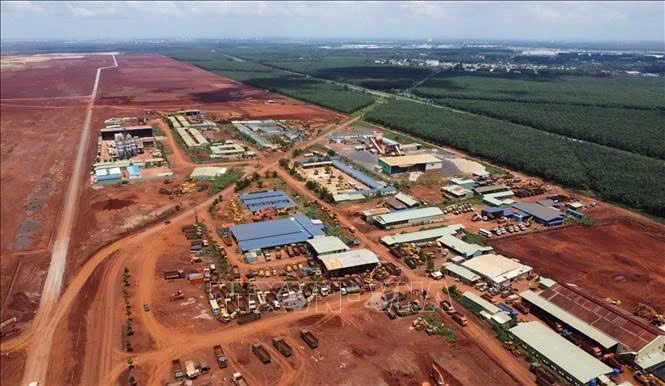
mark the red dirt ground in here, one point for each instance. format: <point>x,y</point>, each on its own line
<point>622,259</point>
<point>157,82</point>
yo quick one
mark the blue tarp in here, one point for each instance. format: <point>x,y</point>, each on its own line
<point>358,175</point>
<point>133,170</point>
<point>275,233</point>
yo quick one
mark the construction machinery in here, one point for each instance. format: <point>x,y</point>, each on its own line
<point>8,327</point>
<point>649,313</point>
<point>176,295</point>
<point>647,379</point>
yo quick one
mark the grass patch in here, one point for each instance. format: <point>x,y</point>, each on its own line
<point>225,180</point>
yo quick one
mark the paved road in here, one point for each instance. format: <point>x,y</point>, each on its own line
<point>38,356</point>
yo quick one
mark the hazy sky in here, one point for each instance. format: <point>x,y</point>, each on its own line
<point>598,21</point>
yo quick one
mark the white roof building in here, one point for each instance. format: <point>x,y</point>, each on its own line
<point>498,269</point>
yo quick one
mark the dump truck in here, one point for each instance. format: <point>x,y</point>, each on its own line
<point>250,317</point>
<point>222,362</point>
<point>447,307</point>
<point>177,369</point>
<point>239,380</point>
<point>309,338</point>
<point>261,353</point>
<point>460,319</point>
<point>170,275</point>
<point>191,370</point>
<point>280,344</point>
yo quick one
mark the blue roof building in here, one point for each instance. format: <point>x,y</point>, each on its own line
<point>275,233</point>
<point>261,200</point>
<point>541,214</point>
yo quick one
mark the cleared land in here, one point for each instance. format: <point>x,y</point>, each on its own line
<point>621,258</point>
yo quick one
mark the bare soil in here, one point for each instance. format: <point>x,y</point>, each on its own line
<point>11,367</point>
<point>621,258</point>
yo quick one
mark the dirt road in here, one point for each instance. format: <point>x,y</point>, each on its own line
<point>38,356</point>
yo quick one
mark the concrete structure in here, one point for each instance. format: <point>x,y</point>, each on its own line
<point>409,163</point>
<point>461,247</point>
<point>457,191</point>
<point>570,361</point>
<point>408,217</point>
<point>498,270</point>
<point>353,261</point>
<point>464,275</point>
<point>207,173</point>
<point>541,214</point>
<point>422,236</point>
<point>327,245</point>
<point>260,200</point>
<point>275,233</point>
<point>637,340</point>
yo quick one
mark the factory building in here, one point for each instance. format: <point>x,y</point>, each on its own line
<point>569,361</point>
<point>422,236</point>
<point>108,133</point>
<point>409,217</point>
<point>275,233</point>
<point>497,270</point>
<point>349,262</point>
<point>409,163</point>
<point>461,247</point>
<point>541,215</point>
<point>261,200</point>
<point>207,173</point>
<point>326,245</point>
<point>611,328</point>
<point>110,174</point>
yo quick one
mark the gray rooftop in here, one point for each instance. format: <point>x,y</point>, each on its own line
<point>352,258</point>
<point>570,358</point>
<point>327,244</point>
<point>538,211</point>
<point>410,214</point>
<point>429,234</point>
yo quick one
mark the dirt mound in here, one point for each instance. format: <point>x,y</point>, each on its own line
<point>21,302</point>
<point>113,204</point>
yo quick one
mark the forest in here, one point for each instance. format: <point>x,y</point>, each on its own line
<point>614,175</point>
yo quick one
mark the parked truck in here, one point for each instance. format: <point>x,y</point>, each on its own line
<point>170,275</point>
<point>281,346</point>
<point>309,339</point>
<point>222,362</point>
<point>192,371</point>
<point>460,319</point>
<point>239,380</point>
<point>261,353</point>
<point>249,317</point>
<point>177,369</point>
<point>447,307</point>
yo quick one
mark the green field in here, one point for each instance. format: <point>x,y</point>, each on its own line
<point>257,75</point>
<point>614,91</point>
<point>614,175</point>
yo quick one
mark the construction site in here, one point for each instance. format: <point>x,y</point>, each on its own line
<point>279,262</point>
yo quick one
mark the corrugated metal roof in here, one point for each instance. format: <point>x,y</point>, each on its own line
<point>207,171</point>
<point>410,214</point>
<point>349,259</point>
<point>348,197</point>
<point>407,200</point>
<point>358,175</point>
<point>496,267</point>
<point>489,189</point>
<point>570,319</point>
<point>460,246</point>
<point>570,358</point>
<point>487,306</point>
<point>538,211</point>
<point>406,160</point>
<point>267,234</point>
<point>462,272</point>
<point>429,234</point>
<point>327,244</point>
<point>261,200</point>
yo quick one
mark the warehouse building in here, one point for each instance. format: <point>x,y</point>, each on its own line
<point>500,199</point>
<point>422,236</point>
<point>409,217</point>
<point>465,275</point>
<point>229,151</point>
<point>275,233</point>
<point>327,245</point>
<point>466,183</point>
<point>110,174</point>
<point>207,173</point>
<point>499,271</point>
<point>482,190</point>
<point>611,328</point>
<point>261,200</point>
<point>569,361</point>
<point>541,215</point>
<point>349,262</point>
<point>456,191</point>
<point>489,311</point>
<point>461,247</point>
<point>407,200</point>
<point>409,163</point>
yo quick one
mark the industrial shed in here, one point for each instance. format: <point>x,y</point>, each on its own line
<point>354,261</point>
<point>461,247</point>
<point>260,200</point>
<point>408,217</point>
<point>638,339</point>
<point>275,233</point>
<point>482,190</point>
<point>422,236</point>
<point>207,172</point>
<point>406,200</point>
<point>466,276</point>
<point>570,361</point>
<point>541,214</point>
<point>409,163</point>
<point>498,270</point>
<point>327,245</point>
<point>457,191</point>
